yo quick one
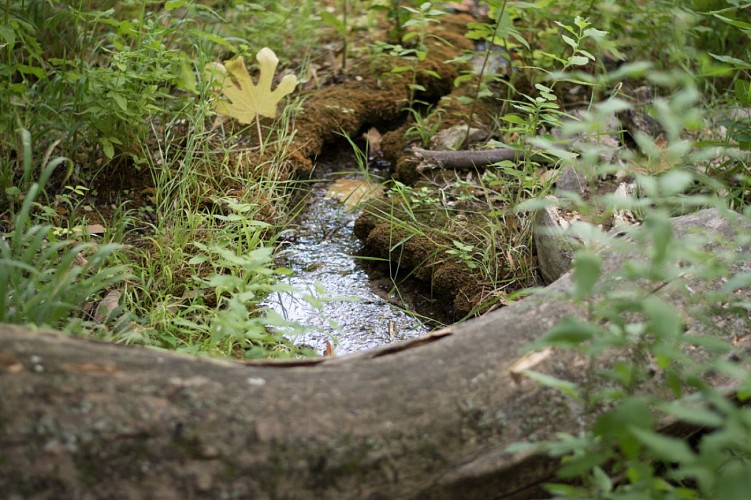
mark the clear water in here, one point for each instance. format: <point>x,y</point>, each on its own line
<point>322,258</point>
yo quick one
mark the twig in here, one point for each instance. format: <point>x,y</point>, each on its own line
<point>467,159</point>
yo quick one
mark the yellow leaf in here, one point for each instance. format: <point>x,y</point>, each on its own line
<point>244,99</point>
<point>352,192</point>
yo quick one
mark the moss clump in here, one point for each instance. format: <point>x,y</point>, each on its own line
<point>420,243</point>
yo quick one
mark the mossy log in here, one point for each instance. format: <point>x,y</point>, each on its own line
<point>429,418</point>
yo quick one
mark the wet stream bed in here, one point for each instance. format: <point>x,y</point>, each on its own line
<point>355,304</point>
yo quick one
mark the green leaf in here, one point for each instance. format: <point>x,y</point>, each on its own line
<point>675,182</point>
<point>7,34</point>
<point>463,78</point>
<point>732,480</point>
<point>570,41</point>
<point>515,119</point>
<point>31,70</point>
<point>582,464</point>
<point>107,147</point>
<point>692,414</point>
<point>568,388</point>
<point>587,269</point>
<point>664,447</point>
<point>569,332</point>
<point>334,22</point>
<point>737,281</point>
<point>578,60</point>
<point>604,483</point>
<point>662,234</point>
<point>174,4</point>
<point>186,79</point>
<point>738,63</point>
<point>664,321</point>
<point>734,22</point>
<point>198,259</point>
<point>616,424</point>
<point>742,90</point>
<point>121,102</point>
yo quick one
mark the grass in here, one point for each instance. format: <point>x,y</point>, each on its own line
<point>120,94</point>
<point>106,121</point>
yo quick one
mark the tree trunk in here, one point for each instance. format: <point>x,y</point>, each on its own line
<point>429,418</point>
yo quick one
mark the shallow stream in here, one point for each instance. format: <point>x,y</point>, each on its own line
<point>354,313</point>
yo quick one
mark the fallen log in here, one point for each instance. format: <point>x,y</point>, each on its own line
<point>464,159</point>
<point>424,419</point>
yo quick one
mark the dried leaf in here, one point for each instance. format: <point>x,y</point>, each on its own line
<point>527,362</point>
<point>81,260</point>
<point>374,140</point>
<point>95,229</point>
<point>244,99</point>
<point>9,364</point>
<point>352,192</point>
<point>108,304</point>
<point>329,353</point>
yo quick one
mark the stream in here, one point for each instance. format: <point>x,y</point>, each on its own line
<point>352,311</point>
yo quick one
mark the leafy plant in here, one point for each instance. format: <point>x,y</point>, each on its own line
<point>621,453</point>
<point>342,29</point>
<point>45,281</point>
<point>413,48</point>
<point>425,125</point>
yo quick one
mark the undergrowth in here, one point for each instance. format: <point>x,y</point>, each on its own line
<point>117,89</point>
<point>133,213</point>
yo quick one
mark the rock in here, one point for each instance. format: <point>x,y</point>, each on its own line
<point>624,217</point>
<point>637,119</point>
<point>555,246</point>
<point>569,180</point>
<point>454,137</point>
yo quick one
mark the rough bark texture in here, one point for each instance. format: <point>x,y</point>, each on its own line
<point>466,159</point>
<point>426,419</point>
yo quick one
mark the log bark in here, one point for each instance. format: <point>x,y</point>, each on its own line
<point>464,159</point>
<point>424,419</point>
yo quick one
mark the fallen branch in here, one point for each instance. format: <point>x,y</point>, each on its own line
<point>480,158</point>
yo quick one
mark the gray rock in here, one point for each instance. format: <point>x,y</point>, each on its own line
<point>569,180</point>
<point>555,246</point>
<point>453,138</point>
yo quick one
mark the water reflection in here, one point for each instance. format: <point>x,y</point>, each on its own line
<point>349,313</point>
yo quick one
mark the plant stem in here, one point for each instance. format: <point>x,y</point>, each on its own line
<point>260,135</point>
<point>9,48</point>
<point>481,76</point>
<point>345,36</point>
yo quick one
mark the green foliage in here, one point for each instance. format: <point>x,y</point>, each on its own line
<point>622,454</point>
<point>424,126</point>
<point>46,281</point>
<point>116,86</point>
<point>411,49</point>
